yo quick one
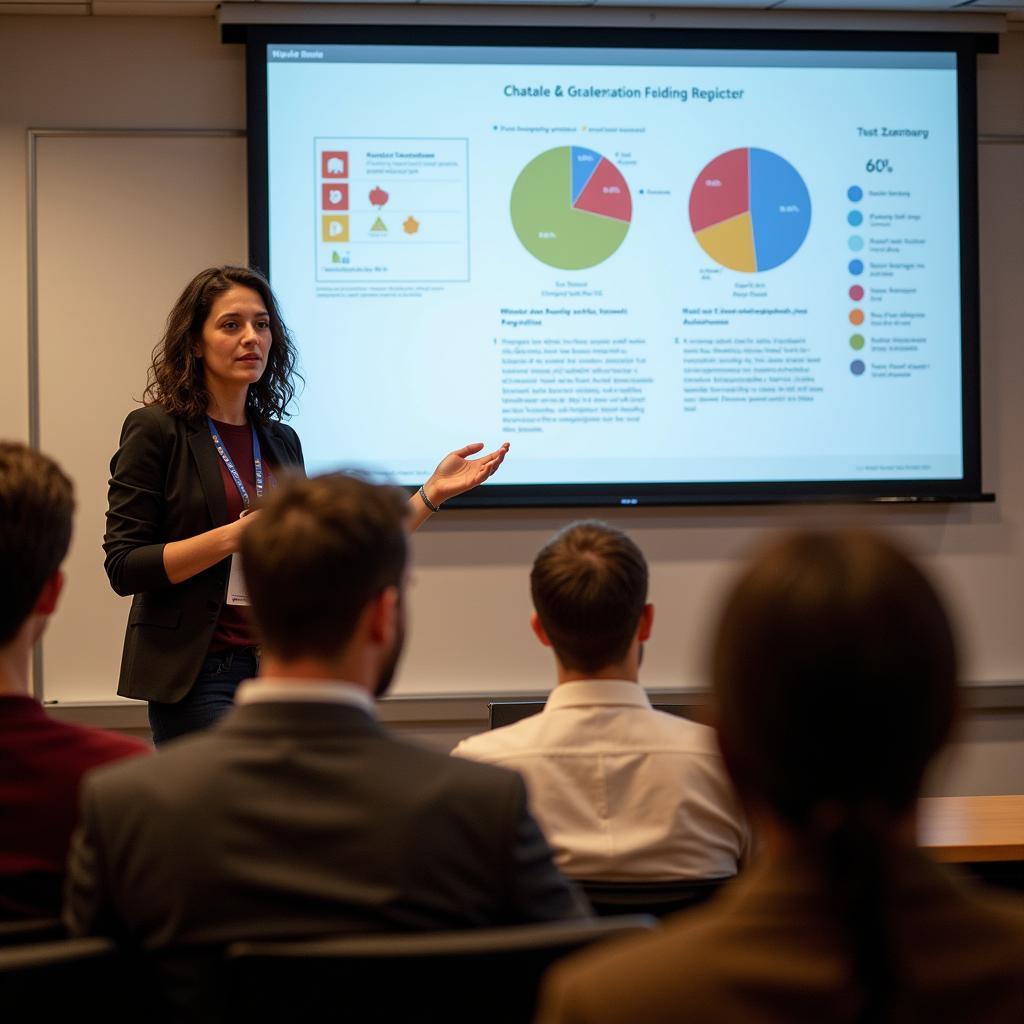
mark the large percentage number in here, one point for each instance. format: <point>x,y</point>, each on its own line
<point>879,167</point>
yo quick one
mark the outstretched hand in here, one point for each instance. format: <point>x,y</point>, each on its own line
<point>457,473</point>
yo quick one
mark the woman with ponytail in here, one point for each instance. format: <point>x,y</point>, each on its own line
<point>834,671</point>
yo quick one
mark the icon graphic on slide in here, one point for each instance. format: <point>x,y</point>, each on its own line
<point>410,225</point>
<point>571,207</point>
<point>378,227</point>
<point>378,197</point>
<point>334,163</point>
<point>335,228</point>
<point>750,210</point>
<point>335,197</point>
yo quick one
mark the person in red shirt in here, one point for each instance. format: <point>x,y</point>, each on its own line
<point>41,760</point>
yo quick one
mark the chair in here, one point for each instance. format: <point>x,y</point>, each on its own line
<point>55,980</point>
<point>43,929</point>
<point>490,975</point>
<point>659,899</point>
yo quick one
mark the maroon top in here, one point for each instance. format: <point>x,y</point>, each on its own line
<point>233,627</point>
<point>41,763</point>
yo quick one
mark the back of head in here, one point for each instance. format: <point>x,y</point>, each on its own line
<point>834,670</point>
<point>829,647</point>
<point>318,552</point>
<point>589,588</point>
<point>36,508</point>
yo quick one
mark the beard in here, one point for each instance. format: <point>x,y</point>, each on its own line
<point>390,664</point>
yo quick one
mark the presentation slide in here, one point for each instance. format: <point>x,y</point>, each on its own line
<point>636,265</point>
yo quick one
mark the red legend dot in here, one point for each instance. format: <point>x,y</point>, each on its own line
<point>856,293</point>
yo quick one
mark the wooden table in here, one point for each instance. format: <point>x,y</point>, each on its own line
<point>972,829</point>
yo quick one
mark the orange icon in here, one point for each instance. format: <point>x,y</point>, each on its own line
<point>856,316</point>
<point>410,225</point>
<point>334,228</point>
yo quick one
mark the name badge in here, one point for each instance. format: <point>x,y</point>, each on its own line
<point>238,592</point>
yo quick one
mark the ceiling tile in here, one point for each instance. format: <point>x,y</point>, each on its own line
<point>866,5</point>
<point>43,7</point>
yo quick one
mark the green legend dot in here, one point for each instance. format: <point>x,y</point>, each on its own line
<point>857,341</point>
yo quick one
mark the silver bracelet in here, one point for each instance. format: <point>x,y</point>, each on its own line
<point>428,502</point>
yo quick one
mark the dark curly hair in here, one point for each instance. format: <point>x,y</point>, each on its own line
<point>175,379</point>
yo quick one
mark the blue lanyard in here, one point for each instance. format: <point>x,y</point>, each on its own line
<point>257,460</point>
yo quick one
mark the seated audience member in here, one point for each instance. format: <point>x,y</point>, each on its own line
<point>41,760</point>
<point>834,671</point>
<point>622,792</point>
<point>299,815</point>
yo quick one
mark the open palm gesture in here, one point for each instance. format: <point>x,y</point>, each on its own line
<point>457,473</point>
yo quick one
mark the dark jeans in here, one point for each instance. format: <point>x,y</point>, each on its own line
<point>211,695</point>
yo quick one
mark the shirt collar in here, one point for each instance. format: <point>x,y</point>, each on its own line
<point>267,690</point>
<point>588,692</point>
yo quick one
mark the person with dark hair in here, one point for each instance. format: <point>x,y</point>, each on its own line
<point>42,760</point>
<point>298,815</point>
<point>623,792</point>
<point>834,670</point>
<point>192,462</point>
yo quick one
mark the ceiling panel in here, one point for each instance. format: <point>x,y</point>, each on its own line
<point>868,5</point>
<point>706,8</point>
<point>43,7</point>
<point>750,4</point>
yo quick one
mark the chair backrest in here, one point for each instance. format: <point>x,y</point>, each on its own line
<point>488,975</point>
<point>507,712</point>
<point>43,929</point>
<point>610,899</point>
<point>57,980</point>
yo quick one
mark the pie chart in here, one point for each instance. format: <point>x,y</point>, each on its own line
<point>750,210</point>
<point>571,207</point>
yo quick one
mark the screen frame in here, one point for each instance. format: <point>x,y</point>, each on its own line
<point>963,45</point>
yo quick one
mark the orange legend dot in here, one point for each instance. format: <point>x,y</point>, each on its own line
<point>856,316</point>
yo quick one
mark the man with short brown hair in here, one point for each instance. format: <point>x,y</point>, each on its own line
<point>623,792</point>
<point>41,760</point>
<point>302,815</point>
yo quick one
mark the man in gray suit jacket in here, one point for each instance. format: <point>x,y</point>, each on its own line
<point>299,815</point>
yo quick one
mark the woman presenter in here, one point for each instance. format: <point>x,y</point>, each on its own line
<point>192,463</point>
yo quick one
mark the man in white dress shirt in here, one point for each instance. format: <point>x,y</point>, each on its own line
<point>622,791</point>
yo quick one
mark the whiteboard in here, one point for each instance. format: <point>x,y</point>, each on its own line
<point>123,221</point>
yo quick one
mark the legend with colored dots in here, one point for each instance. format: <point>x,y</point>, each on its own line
<point>856,242</point>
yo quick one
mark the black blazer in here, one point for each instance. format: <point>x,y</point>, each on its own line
<point>296,820</point>
<point>165,485</point>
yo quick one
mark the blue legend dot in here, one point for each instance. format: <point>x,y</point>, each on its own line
<point>856,243</point>
<point>855,193</point>
<point>855,218</point>
<point>856,267</point>
<point>857,367</point>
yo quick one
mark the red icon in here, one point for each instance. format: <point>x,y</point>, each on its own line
<point>378,197</point>
<point>335,196</point>
<point>856,293</point>
<point>334,163</point>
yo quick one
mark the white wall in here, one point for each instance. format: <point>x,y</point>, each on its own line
<point>470,601</point>
<point>93,73</point>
